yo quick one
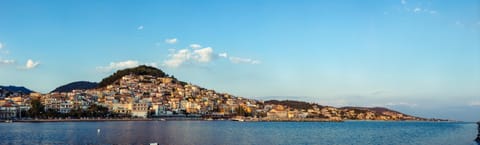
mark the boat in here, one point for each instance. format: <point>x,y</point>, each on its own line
<point>238,119</point>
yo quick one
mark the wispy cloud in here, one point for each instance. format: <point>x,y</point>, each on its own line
<point>6,61</point>
<point>3,51</point>
<point>474,103</point>
<point>243,60</point>
<point>171,40</point>
<point>417,9</point>
<point>411,105</point>
<point>195,46</point>
<point>459,23</point>
<point>140,27</point>
<point>224,55</point>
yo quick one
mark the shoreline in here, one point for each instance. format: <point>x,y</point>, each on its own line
<point>203,119</point>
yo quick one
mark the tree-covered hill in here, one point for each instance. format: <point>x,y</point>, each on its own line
<point>80,85</point>
<point>139,70</point>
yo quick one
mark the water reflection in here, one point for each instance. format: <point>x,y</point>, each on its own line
<point>226,132</point>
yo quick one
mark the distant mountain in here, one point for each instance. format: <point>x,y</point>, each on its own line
<point>79,85</point>
<point>139,70</point>
<point>16,89</point>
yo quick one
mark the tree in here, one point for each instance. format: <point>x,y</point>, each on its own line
<point>37,109</point>
<point>52,113</point>
<point>242,111</point>
<point>95,110</point>
<point>139,70</point>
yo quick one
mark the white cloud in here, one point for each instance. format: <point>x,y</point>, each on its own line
<point>171,41</point>
<point>224,55</point>
<point>195,54</point>
<point>119,65</point>
<point>7,61</point>
<point>403,2</point>
<point>195,46</point>
<point>140,27</point>
<point>31,64</point>
<point>243,60</point>
<point>1,45</point>
<point>178,58</point>
<point>203,55</point>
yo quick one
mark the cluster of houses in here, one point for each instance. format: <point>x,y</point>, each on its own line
<point>138,96</point>
<point>147,96</point>
<point>10,107</point>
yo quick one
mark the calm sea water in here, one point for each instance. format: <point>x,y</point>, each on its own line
<point>227,132</point>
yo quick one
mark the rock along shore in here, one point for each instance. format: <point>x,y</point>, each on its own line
<point>478,134</point>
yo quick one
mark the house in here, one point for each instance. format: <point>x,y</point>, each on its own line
<point>277,112</point>
<point>140,109</point>
<point>66,106</point>
<point>8,111</point>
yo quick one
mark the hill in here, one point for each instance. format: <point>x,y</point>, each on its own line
<point>6,91</point>
<point>139,70</point>
<point>347,113</point>
<point>79,85</point>
<point>292,104</point>
<point>378,110</point>
<point>16,89</point>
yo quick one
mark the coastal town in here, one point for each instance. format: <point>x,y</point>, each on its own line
<point>149,95</point>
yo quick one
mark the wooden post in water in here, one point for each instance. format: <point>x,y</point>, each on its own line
<point>478,134</point>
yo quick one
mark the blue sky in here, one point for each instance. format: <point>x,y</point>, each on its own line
<point>420,57</point>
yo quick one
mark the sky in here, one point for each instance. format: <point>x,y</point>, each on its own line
<point>419,57</point>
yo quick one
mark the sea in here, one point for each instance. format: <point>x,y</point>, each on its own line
<point>233,133</point>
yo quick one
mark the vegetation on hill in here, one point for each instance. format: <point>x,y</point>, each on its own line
<point>376,110</point>
<point>16,89</point>
<point>292,104</point>
<point>80,85</point>
<point>140,70</point>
